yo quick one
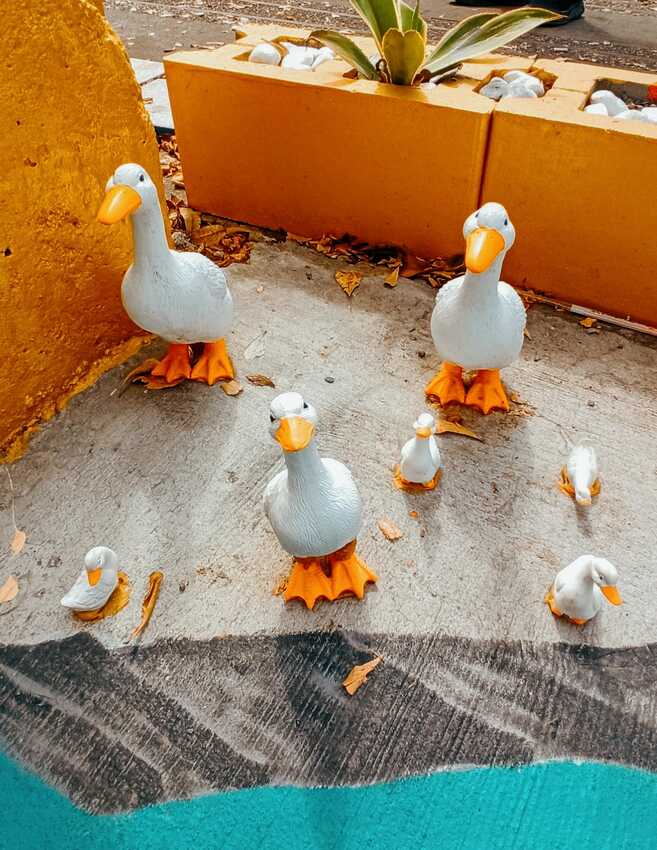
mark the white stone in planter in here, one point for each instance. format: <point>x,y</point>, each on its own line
<point>632,115</point>
<point>650,113</point>
<point>265,54</point>
<point>519,89</point>
<point>496,88</point>
<point>324,54</point>
<point>529,80</point>
<point>596,109</point>
<point>613,104</point>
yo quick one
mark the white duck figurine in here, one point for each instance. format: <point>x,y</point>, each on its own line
<point>314,508</point>
<point>579,589</point>
<point>97,581</point>
<point>181,296</point>
<point>420,462</point>
<point>580,477</point>
<point>478,322</point>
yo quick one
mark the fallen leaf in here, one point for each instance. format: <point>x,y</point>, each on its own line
<point>18,541</point>
<point>389,530</point>
<point>588,322</point>
<point>232,387</point>
<point>527,334</point>
<point>154,582</point>
<point>9,590</point>
<point>260,381</point>
<point>413,514</point>
<point>348,280</point>
<point>392,279</point>
<point>117,601</point>
<point>358,675</point>
<point>260,289</point>
<point>256,348</point>
<point>191,218</point>
<point>446,426</point>
<point>281,587</point>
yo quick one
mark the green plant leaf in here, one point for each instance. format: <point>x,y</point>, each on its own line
<point>411,19</point>
<point>404,55</point>
<point>494,33</point>
<point>460,34</point>
<point>349,51</point>
<point>379,15</point>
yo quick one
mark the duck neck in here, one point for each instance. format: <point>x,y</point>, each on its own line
<point>480,288</point>
<point>421,447</point>
<point>304,466</point>
<point>151,249</point>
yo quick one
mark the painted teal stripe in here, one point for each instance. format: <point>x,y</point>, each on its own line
<point>553,806</point>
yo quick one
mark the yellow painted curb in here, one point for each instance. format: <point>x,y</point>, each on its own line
<point>581,190</point>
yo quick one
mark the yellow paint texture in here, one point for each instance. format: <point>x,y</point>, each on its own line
<point>580,190</point>
<point>316,153</point>
<point>71,113</point>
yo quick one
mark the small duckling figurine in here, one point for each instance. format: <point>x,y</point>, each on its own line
<point>314,507</point>
<point>478,322</point>
<point>181,296</point>
<point>97,581</point>
<point>420,466</point>
<point>580,477</point>
<point>579,589</point>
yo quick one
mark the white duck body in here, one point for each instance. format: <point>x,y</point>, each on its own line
<point>84,596</point>
<point>313,505</point>
<point>181,296</point>
<point>582,470</point>
<point>420,456</point>
<point>478,321</point>
<point>577,588</point>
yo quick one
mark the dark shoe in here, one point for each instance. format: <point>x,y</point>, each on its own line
<point>569,9</point>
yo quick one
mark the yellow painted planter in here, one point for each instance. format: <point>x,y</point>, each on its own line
<point>581,190</point>
<point>315,153</point>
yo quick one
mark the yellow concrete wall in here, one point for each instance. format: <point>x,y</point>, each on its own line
<point>71,112</point>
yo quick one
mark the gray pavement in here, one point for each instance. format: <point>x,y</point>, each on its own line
<point>173,480</point>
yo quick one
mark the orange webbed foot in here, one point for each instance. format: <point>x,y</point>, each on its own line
<point>214,364</point>
<point>486,392</point>
<point>447,387</point>
<point>308,582</point>
<point>175,365</point>
<point>549,601</point>
<point>349,574</point>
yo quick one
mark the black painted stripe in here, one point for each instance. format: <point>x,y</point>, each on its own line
<point>116,730</point>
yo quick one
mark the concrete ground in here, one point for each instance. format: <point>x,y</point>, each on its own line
<point>613,32</point>
<point>173,480</point>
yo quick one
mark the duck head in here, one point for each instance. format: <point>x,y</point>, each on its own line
<point>126,191</point>
<point>98,559</point>
<point>292,421</point>
<point>605,575</point>
<point>425,426</point>
<point>488,236</point>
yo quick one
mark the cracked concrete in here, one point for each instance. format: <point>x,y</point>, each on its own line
<point>173,480</point>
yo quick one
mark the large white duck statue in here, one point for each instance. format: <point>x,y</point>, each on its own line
<point>314,508</point>
<point>181,296</point>
<point>579,589</point>
<point>97,581</point>
<point>478,322</point>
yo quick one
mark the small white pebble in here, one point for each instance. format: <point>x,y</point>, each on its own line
<point>613,103</point>
<point>265,54</point>
<point>519,89</point>
<point>651,113</point>
<point>632,115</point>
<point>529,80</point>
<point>596,109</point>
<point>495,88</point>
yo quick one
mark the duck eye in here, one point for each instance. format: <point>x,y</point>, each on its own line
<point>305,406</point>
<point>141,178</point>
<point>506,221</point>
<point>272,418</point>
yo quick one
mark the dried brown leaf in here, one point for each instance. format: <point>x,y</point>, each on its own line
<point>9,589</point>
<point>389,530</point>
<point>232,387</point>
<point>588,322</point>
<point>446,426</point>
<point>527,334</point>
<point>392,279</point>
<point>358,675</point>
<point>154,583</point>
<point>260,381</point>
<point>281,587</point>
<point>18,541</point>
<point>348,280</point>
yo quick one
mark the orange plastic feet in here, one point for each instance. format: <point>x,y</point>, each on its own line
<point>447,387</point>
<point>214,364</point>
<point>308,582</point>
<point>175,365</point>
<point>411,487</point>
<point>549,601</point>
<point>566,485</point>
<point>486,392</point>
<point>348,573</point>
<point>340,574</point>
